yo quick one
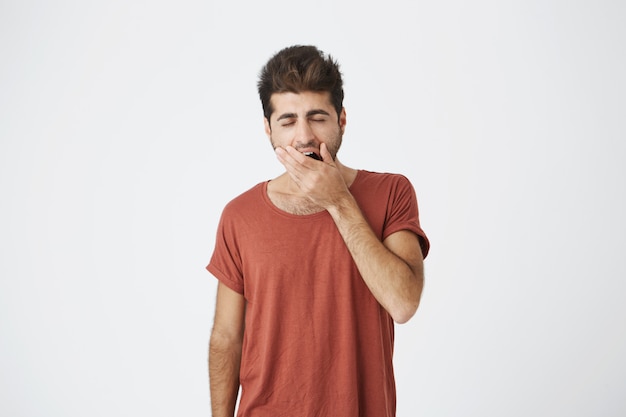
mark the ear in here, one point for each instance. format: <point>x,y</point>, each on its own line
<point>268,129</point>
<point>342,119</point>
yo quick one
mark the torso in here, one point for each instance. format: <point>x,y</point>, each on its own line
<point>296,272</point>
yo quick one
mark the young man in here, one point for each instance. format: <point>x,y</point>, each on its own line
<point>314,266</point>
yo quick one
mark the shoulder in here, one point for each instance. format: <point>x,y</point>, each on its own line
<point>249,200</point>
<point>366,175</point>
<point>379,181</point>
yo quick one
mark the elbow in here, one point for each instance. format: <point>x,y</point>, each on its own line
<point>405,307</point>
<point>403,314</point>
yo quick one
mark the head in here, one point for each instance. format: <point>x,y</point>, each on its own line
<point>304,84</point>
<point>296,69</point>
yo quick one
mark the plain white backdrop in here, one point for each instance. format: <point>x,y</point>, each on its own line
<point>125,126</point>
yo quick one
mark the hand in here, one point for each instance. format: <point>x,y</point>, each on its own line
<point>320,181</point>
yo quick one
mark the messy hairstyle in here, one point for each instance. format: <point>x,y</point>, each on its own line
<point>297,69</point>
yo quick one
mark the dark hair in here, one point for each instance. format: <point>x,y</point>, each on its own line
<point>300,68</point>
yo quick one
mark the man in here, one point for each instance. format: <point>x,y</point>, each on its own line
<point>314,266</point>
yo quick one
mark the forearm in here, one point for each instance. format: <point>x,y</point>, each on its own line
<point>224,363</point>
<point>395,284</point>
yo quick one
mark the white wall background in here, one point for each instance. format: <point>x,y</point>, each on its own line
<point>125,126</point>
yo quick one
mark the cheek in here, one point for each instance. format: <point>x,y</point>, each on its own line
<point>326,132</point>
<point>331,133</point>
<point>281,134</point>
<point>278,139</point>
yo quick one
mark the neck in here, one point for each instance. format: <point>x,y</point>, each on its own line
<point>348,174</point>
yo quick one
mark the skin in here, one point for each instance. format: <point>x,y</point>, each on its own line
<point>392,269</point>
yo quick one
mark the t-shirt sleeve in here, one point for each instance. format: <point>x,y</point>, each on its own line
<point>225,263</point>
<point>403,213</point>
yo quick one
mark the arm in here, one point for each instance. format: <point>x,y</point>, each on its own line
<point>225,351</point>
<point>393,269</point>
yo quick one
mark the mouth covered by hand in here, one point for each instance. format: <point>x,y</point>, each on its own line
<point>313,155</point>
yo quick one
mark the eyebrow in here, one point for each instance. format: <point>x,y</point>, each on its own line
<point>308,114</point>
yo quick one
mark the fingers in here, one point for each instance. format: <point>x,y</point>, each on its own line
<point>289,156</point>
<point>285,157</point>
<point>326,156</point>
<point>292,161</point>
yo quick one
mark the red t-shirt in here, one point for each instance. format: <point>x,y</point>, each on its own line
<point>316,341</point>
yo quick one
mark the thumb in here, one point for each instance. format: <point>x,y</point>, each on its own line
<point>326,156</point>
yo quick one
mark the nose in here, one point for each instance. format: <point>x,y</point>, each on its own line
<point>304,132</point>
